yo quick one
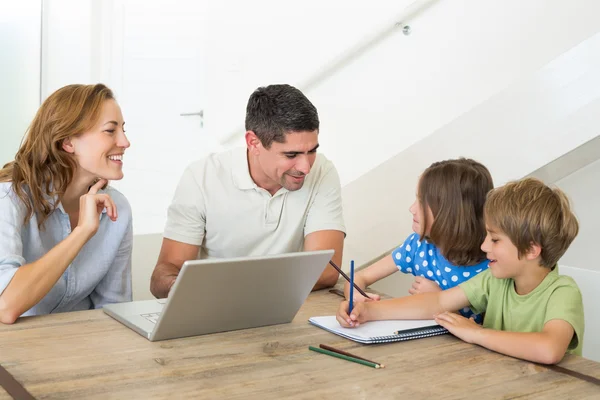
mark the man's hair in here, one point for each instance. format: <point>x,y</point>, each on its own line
<point>275,110</point>
<point>455,191</point>
<point>529,212</point>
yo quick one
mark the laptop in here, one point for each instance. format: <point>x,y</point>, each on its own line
<point>219,295</point>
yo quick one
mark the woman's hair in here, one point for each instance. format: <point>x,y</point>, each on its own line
<point>41,166</point>
<point>455,191</point>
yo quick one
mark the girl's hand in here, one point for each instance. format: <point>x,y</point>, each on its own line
<point>423,285</point>
<point>360,298</point>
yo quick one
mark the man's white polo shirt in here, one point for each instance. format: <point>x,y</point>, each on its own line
<point>218,206</point>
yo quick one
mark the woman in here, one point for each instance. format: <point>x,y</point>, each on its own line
<point>66,237</point>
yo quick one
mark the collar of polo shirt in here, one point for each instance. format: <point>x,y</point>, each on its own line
<point>240,171</point>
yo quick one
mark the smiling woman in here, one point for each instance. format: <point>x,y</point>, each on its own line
<point>66,235</point>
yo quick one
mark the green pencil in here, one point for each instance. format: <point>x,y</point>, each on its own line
<point>343,357</point>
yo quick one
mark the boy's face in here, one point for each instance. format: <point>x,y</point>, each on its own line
<point>502,253</point>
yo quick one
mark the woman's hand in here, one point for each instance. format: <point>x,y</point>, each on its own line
<point>91,205</point>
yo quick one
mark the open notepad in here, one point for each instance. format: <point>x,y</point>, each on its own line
<point>381,331</point>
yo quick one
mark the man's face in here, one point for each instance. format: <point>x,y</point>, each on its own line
<point>287,164</point>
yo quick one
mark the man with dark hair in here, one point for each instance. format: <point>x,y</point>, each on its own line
<point>274,196</point>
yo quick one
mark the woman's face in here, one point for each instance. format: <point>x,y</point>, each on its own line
<point>99,151</point>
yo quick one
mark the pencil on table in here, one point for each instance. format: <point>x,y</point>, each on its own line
<point>343,357</point>
<point>326,347</point>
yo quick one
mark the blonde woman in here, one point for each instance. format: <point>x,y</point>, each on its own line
<point>65,236</point>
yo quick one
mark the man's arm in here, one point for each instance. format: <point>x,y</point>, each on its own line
<point>172,256</point>
<point>323,240</point>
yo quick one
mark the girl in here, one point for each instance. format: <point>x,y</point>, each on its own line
<point>448,227</point>
<point>65,237</point>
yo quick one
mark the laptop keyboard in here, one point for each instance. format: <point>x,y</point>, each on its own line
<point>152,317</point>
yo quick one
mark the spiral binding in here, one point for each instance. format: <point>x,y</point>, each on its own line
<point>413,335</point>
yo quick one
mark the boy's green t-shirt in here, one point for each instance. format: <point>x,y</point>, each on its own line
<point>557,297</point>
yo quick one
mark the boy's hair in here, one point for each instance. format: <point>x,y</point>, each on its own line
<point>275,110</point>
<point>528,212</point>
<point>455,191</point>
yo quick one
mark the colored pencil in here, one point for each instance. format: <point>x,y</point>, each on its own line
<point>346,277</point>
<point>351,305</point>
<point>343,357</point>
<point>326,347</point>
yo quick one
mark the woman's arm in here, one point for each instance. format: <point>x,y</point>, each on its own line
<point>115,286</point>
<point>31,282</point>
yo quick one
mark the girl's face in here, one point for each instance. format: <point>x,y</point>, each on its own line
<point>419,218</point>
<point>99,151</point>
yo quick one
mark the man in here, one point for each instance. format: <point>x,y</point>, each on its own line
<point>274,196</point>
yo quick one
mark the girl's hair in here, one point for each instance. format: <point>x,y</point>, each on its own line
<point>41,166</point>
<point>455,191</point>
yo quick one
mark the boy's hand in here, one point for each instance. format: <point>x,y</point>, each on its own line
<point>423,285</point>
<point>356,317</point>
<point>463,328</point>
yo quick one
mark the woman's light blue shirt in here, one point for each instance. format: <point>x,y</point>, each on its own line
<point>99,274</point>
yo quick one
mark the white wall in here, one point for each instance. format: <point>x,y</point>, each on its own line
<point>20,46</point>
<point>459,54</point>
<point>396,93</point>
<point>535,120</point>
<point>583,188</point>
<point>68,46</point>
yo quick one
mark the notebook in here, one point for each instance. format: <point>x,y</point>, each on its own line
<point>381,331</point>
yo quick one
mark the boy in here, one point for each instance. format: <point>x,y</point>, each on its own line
<point>531,312</point>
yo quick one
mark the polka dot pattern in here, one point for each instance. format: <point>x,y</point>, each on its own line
<point>422,258</point>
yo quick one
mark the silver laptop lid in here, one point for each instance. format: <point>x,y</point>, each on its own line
<point>217,295</point>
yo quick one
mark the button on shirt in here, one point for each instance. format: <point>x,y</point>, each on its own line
<point>218,207</point>
<point>99,274</point>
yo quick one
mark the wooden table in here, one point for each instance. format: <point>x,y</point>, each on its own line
<point>87,355</point>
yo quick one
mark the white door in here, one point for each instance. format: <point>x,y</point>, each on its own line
<point>157,72</point>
